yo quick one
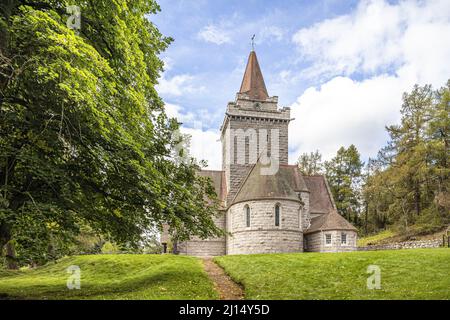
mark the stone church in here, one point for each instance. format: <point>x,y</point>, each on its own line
<point>267,205</point>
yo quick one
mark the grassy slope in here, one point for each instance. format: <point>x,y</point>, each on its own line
<point>405,274</point>
<point>113,277</point>
<point>374,239</point>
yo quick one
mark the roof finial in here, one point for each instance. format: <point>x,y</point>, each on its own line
<point>253,42</point>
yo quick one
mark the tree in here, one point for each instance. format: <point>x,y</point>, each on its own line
<point>84,139</point>
<point>438,147</point>
<point>344,174</point>
<point>409,186</point>
<point>310,163</point>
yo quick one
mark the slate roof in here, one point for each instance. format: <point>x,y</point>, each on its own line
<point>330,221</point>
<point>253,82</point>
<point>219,183</point>
<point>285,184</point>
<point>320,200</point>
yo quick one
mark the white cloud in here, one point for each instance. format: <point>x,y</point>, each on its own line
<point>205,144</point>
<point>376,36</point>
<point>177,85</point>
<point>393,46</point>
<point>214,34</point>
<point>270,34</point>
<point>168,63</point>
<point>343,112</point>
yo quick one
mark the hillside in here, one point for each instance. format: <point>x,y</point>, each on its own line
<point>390,236</point>
<point>112,277</point>
<point>405,274</point>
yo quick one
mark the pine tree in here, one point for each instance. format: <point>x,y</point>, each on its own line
<point>344,174</point>
<point>310,163</point>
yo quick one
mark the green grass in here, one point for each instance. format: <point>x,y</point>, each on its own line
<point>112,277</point>
<point>375,238</point>
<point>405,274</point>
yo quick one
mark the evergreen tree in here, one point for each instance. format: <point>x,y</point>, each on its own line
<point>410,185</point>
<point>310,163</point>
<point>344,174</point>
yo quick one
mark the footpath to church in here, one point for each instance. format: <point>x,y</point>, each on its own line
<point>227,288</point>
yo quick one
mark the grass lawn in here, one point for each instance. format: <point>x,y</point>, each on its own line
<point>112,277</point>
<point>405,274</point>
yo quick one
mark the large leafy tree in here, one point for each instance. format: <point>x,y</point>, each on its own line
<point>84,139</point>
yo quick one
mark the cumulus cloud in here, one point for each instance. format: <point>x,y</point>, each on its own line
<point>376,36</point>
<point>214,34</point>
<point>177,85</point>
<point>205,143</point>
<point>393,46</point>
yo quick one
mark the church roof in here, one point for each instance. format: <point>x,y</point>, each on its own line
<point>253,82</point>
<point>285,184</point>
<point>330,221</point>
<point>320,200</point>
<point>218,180</point>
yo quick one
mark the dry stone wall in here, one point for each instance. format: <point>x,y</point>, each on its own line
<point>436,243</point>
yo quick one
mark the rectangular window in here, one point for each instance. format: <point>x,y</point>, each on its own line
<point>247,211</point>
<point>328,239</point>
<point>343,239</point>
<point>277,215</point>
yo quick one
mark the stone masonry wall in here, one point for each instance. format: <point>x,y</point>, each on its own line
<point>263,236</point>
<point>315,242</point>
<point>237,159</point>
<point>436,243</point>
<point>208,247</point>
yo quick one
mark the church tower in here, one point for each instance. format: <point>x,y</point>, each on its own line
<point>254,129</point>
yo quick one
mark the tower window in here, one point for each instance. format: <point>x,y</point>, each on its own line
<point>277,215</point>
<point>247,216</point>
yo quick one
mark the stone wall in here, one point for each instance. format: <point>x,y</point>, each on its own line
<point>237,157</point>
<point>315,242</point>
<point>435,243</point>
<point>263,236</point>
<point>207,247</point>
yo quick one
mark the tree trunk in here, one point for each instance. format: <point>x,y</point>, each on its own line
<point>175,247</point>
<point>366,217</point>
<point>11,260</point>
<point>417,199</point>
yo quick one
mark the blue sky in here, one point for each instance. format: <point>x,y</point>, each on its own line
<point>340,65</point>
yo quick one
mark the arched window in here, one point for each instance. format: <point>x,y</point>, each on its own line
<point>277,215</point>
<point>247,215</point>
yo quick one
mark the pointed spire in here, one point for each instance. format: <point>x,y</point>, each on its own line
<point>253,81</point>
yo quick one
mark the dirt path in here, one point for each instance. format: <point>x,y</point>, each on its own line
<point>227,288</point>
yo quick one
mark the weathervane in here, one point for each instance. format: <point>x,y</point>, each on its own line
<point>253,42</point>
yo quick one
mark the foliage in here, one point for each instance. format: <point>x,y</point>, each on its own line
<point>310,163</point>
<point>405,274</point>
<point>344,174</point>
<point>84,140</point>
<point>113,277</point>
<point>408,184</point>
<point>110,248</point>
